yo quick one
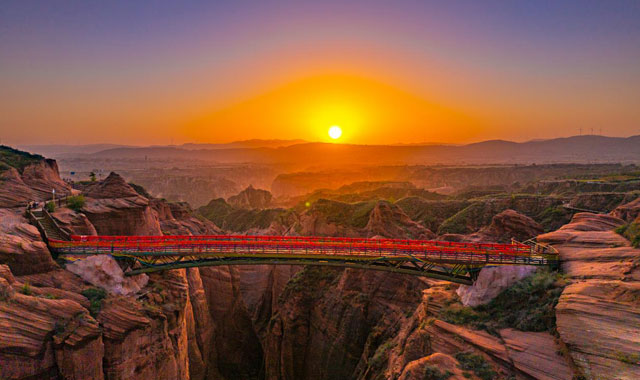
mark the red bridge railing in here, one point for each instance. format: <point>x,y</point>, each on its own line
<point>239,245</point>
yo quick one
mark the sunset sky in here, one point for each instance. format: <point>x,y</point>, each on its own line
<point>139,72</point>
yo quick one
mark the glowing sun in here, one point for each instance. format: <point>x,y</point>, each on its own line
<point>335,132</point>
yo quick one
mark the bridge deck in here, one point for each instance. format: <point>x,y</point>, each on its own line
<point>458,262</point>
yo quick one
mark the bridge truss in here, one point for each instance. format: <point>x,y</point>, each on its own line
<point>451,261</point>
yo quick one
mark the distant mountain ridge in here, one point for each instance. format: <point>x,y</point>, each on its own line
<point>57,150</point>
<point>578,149</point>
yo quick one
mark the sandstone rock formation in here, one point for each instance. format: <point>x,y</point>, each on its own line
<point>74,223</point>
<point>587,229</point>
<point>417,369</point>
<point>251,198</point>
<point>510,353</point>
<point>122,216</point>
<point>333,321</point>
<point>177,219</point>
<point>103,271</point>
<point>598,314</point>
<point>114,186</point>
<point>628,211</point>
<point>43,177</point>
<point>491,282</point>
<point>14,192</point>
<point>510,224</point>
<point>21,246</point>
<point>390,221</point>
<point>42,336</point>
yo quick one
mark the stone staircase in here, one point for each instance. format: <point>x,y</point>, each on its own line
<point>47,226</point>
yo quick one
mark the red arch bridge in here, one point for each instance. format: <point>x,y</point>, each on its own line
<point>451,261</point>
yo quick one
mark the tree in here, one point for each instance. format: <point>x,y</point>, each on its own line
<point>92,176</point>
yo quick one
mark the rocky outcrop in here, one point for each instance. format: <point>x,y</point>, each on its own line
<point>40,336</point>
<point>510,224</point>
<point>628,211</point>
<point>147,339</point>
<point>177,219</point>
<point>42,177</point>
<point>390,221</point>
<point>114,186</point>
<point>103,271</point>
<point>509,353</point>
<point>115,208</point>
<point>74,223</point>
<point>251,198</point>
<point>122,216</point>
<point>241,301</point>
<point>14,192</point>
<point>418,369</point>
<point>330,322</point>
<point>598,315</point>
<point>491,282</point>
<point>21,246</point>
<point>610,312</point>
<point>587,229</point>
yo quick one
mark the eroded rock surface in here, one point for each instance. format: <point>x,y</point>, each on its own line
<point>103,271</point>
<point>390,221</point>
<point>587,229</point>
<point>251,198</point>
<point>491,282</point>
<point>598,315</point>
<point>21,246</point>
<point>75,223</point>
<point>510,224</point>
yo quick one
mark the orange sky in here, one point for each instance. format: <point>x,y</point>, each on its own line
<point>386,72</point>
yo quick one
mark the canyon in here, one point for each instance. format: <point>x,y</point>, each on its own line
<point>86,321</point>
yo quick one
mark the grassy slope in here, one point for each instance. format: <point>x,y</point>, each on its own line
<point>13,158</point>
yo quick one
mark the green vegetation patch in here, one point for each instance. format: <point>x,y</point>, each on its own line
<point>431,213</point>
<point>631,231</point>
<point>432,372</point>
<point>629,358</point>
<point>554,217</point>
<point>26,289</point>
<point>76,202</point>
<point>528,305</point>
<point>476,363</point>
<point>13,158</point>
<point>381,356</point>
<point>95,297</point>
<point>140,190</point>
<point>345,214</point>
<point>235,219</point>
<point>311,279</point>
<point>50,207</point>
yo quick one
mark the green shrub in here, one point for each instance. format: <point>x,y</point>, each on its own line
<point>95,297</point>
<point>140,190</point>
<point>50,206</point>
<point>628,358</point>
<point>476,363</point>
<point>528,305</point>
<point>381,355</point>
<point>26,289</point>
<point>433,373</point>
<point>76,203</point>
<point>13,158</point>
<point>630,231</point>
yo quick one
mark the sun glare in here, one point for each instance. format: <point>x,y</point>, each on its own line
<point>335,132</point>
